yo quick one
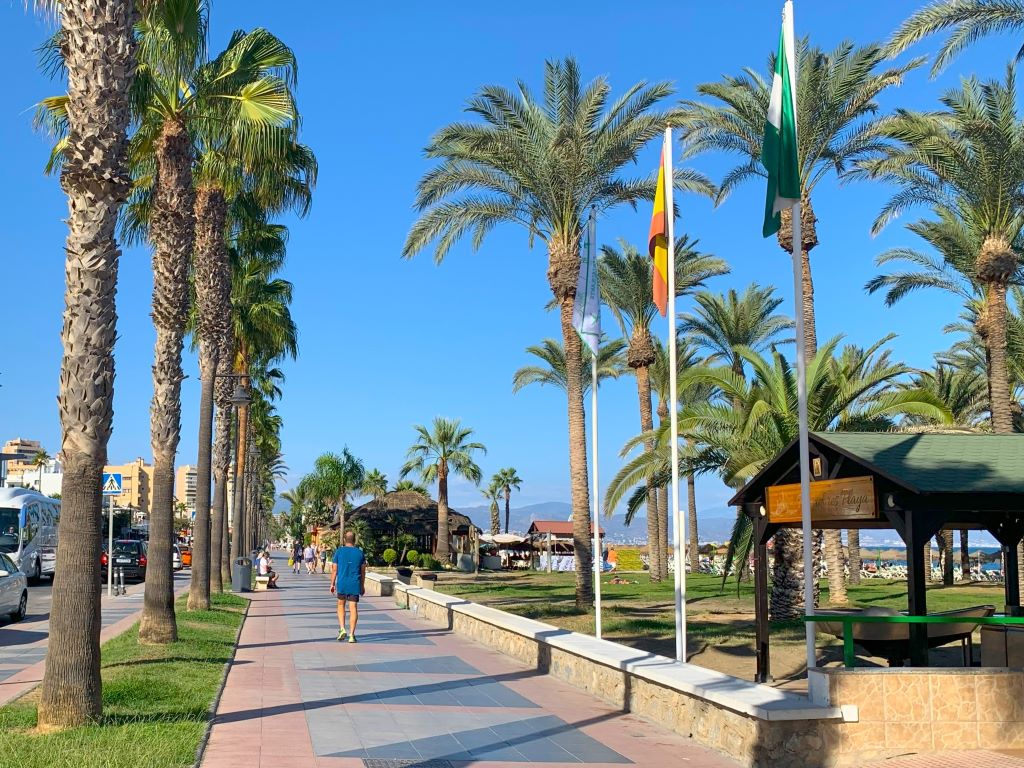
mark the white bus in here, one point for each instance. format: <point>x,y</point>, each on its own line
<point>28,530</point>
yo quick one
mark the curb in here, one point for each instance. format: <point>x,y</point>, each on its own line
<point>212,711</point>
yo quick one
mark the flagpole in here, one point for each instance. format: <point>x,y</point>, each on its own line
<point>678,524</point>
<point>598,560</point>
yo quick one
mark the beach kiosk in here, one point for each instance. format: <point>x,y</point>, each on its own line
<point>917,484</point>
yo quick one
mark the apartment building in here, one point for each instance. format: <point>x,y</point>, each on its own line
<point>185,487</point>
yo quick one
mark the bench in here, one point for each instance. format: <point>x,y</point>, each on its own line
<point>262,583</point>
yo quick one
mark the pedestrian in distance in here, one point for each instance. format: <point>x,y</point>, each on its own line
<point>296,556</point>
<point>307,558</point>
<point>348,582</point>
<point>323,560</point>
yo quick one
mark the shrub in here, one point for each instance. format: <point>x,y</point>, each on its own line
<point>412,557</point>
<point>430,563</point>
<point>389,556</point>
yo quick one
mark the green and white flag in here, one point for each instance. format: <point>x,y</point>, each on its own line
<point>779,150</point>
<point>586,311</point>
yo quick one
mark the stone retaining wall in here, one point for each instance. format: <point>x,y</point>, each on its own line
<point>853,716</point>
<point>754,742</point>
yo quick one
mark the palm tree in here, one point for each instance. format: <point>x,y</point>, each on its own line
<point>969,20</point>
<point>40,459</point>
<point>274,179</point>
<point>493,493</point>
<point>836,126</point>
<point>507,479</point>
<point>611,363</point>
<point>375,484</point>
<point>625,279</point>
<point>100,69</point>
<point>686,358</point>
<point>721,325</point>
<point>410,485</point>
<point>443,449</point>
<point>242,97</point>
<point>967,164</point>
<point>261,321</point>
<point>335,478</point>
<point>542,164</point>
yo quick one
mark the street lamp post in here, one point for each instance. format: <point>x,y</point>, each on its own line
<point>239,583</point>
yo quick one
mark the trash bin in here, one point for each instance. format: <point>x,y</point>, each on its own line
<point>241,575</point>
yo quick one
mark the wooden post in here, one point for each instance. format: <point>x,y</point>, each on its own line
<point>1011,586</point>
<point>762,648</point>
<point>917,594</point>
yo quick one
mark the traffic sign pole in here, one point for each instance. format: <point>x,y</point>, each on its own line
<point>111,488</point>
<point>110,550</point>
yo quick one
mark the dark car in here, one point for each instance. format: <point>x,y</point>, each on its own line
<point>130,555</point>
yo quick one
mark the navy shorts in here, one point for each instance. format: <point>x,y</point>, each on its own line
<point>348,598</point>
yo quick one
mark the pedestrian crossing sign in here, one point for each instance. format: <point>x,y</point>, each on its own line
<point>111,483</point>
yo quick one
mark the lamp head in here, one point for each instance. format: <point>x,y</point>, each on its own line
<point>240,396</point>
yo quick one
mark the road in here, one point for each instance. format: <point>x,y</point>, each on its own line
<point>24,643</point>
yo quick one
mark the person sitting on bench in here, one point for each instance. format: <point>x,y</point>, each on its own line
<point>266,571</point>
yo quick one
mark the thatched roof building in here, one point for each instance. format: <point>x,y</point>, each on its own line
<point>410,512</point>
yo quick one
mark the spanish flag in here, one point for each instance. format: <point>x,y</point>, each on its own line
<point>658,238</point>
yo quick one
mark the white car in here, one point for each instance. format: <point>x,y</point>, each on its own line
<point>176,558</point>
<point>13,589</point>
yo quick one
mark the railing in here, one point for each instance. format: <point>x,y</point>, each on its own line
<point>848,620</point>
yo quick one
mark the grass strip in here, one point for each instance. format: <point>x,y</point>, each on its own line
<point>155,700</point>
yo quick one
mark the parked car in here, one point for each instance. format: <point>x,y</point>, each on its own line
<point>186,555</point>
<point>129,554</point>
<point>13,589</point>
<point>176,559</point>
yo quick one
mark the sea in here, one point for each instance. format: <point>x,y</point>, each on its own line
<point>991,554</point>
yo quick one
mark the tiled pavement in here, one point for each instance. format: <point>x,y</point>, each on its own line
<point>408,694</point>
<point>23,645</point>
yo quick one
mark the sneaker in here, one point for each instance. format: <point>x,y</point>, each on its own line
<point>342,635</point>
<point>352,638</point>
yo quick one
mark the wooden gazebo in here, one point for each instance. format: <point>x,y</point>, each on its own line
<point>413,513</point>
<point>917,484</point>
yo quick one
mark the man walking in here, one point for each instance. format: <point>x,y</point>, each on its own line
<point>297,556</point>
<point>348,577</point>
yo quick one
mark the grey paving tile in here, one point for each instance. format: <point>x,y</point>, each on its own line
<point>441,746</point>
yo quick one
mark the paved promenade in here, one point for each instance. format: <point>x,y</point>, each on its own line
<point>408,694</point>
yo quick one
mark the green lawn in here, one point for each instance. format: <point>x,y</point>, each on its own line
<point>155,700</point>
<point>720,626</point>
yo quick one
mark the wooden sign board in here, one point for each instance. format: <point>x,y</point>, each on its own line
<point>852,498</point>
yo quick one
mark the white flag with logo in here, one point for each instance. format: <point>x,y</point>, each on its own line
<point>586,312</point>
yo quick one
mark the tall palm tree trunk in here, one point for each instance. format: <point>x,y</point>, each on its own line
<point>212,292</point>
<point>999,378</point>
<point>643,390</point>
<point>508,508</point>
<point>221,470</point>
<point>495,519</point>
<point>663,505</point>
<point>100,60</point>
<point>833,538</point>
<point>947,557</point>
<point>856,562</point>
<point>441,550</point>
<point>172,233</point>
<point>928,562</point>
<point>242,442</point>
<point>691,518</point>
<point>965,555</point>
<point>563,274</point>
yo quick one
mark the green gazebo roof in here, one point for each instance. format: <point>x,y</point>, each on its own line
<point>938,463</point>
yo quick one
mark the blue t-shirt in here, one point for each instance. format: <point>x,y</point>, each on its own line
<point>349,561</point>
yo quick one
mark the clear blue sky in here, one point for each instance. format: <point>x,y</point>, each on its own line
<point>387,343</point>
